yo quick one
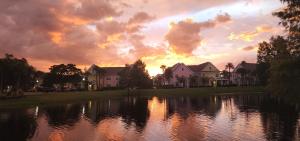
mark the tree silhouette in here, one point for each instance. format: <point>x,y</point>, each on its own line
<point>230,67</point>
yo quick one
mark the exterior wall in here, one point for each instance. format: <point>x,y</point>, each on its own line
<point>248,80</point>
<point>211,73</point>
<point>97,82</point>
<point>181,70</point>
<point>110,81</point>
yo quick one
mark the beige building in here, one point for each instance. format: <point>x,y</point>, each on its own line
<point>103,77</point>
<point>205,74</point>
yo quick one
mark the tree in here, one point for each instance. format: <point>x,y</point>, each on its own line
<point>163,68</point>
<point>225,74</point>
<point>229,66</point>
<point>278,60</point>
<point>16,73</point>
<point>243,72</point>
<point>168,74</point>
<point>193,80</point>
<point>290,20</point>
<point>158,80</point>
<point>62,74</point>
<point>277,49</point>
<point>135,75</point>
<point>181,80</point>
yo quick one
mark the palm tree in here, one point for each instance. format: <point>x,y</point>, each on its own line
<point>163,68</point>
<point>229,66</point>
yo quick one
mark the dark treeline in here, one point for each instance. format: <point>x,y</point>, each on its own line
<point>16,75</point>
<point>62,74</point>
<point>279,59</point>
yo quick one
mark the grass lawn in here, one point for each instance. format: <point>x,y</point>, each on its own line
<point>32,99</point>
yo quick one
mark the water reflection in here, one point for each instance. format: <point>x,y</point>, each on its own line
<point>156,118</point>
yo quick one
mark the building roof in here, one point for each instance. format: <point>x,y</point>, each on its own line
<point>198,68</point>
<point>201,67</point>
<point>247,66</point>
<point>112,70</point>
<point>108,70</point>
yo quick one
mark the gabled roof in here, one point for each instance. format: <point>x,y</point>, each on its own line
<point>200,67</point>
<point>247,66</point>
<point>108,70</point>
<point>112,70</point>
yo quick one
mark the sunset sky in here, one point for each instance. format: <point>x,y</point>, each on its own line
<point>118,32</point>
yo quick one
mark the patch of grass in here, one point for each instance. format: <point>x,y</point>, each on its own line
<point>32,99</point>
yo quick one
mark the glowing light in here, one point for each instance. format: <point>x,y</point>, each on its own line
<point>56,37</point>
<point>36,111</point>
<point>109,19</point>
<point>72,19</point>
<point>83,110</point>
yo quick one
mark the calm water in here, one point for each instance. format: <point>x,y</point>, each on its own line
<point>156,119</point>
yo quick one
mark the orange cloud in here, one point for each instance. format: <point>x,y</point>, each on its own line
<point>55,37</point>
<point>249,36</point>
<point>183,37</point>
<point>140,17</point>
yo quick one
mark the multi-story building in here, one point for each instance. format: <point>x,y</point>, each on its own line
<point>245,74</point>
<point>205,74</point>
<point>103,77</point>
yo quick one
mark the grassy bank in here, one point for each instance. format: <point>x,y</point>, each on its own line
<point>32,99</point>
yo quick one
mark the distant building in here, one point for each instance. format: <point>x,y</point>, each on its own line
<point>244,74</point>
<point>205,74</point>
<point>103,77</point>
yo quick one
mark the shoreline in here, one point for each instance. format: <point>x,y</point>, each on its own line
<point>53,98</point>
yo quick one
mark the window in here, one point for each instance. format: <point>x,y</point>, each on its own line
<point>217,75</point>
<point>108,78</point>
<point>182,69</point>
<point>210,68</point>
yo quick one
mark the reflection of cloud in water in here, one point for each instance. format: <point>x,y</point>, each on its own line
<point>157,118</point>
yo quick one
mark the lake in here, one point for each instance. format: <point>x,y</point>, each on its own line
<point>244,117</point>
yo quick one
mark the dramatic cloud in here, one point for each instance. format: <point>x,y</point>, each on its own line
<point>184,36</point>
<point>140,17</point>
<point>249,36</point>
<point>51,30</point>
<point>116,32</point>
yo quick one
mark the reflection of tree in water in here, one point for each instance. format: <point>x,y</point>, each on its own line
<point>17,126</point>
<point>101,109</point>
<point>279,118</point>
<point>131,109</point>
<point>186,105</point>
<point>63,115</point>
<point>135,110</point>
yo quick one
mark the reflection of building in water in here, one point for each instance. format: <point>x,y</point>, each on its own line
<point>183,106</point>
<point>159,118</point>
